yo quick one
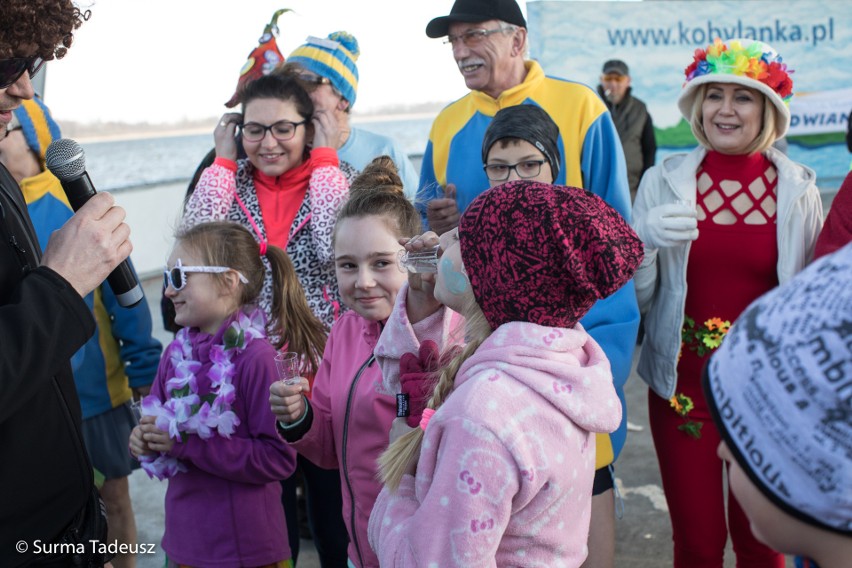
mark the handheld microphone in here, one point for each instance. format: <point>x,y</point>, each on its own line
<point>67,161</point>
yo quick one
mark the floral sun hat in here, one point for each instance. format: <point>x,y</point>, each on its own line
<point>750,63</point>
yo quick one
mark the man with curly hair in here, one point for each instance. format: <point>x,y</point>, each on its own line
<point>49,510</point>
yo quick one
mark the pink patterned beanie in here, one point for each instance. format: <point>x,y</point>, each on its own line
<point>544,253</point>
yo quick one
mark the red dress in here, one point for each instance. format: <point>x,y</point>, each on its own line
<point>732,262</point>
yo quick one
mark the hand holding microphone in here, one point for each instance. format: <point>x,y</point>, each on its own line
<point>93,244</point>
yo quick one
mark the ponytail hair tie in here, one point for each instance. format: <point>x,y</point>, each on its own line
<point>426,417</point>
<point>262,248</point>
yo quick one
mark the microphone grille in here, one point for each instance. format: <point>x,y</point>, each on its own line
<point>65,159</point>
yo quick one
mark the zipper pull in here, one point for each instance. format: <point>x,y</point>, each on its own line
<point>22,254</point>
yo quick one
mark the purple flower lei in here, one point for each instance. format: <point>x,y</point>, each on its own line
<point>184,412</point>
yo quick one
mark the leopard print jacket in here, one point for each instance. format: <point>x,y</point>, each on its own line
<point>309,246</point>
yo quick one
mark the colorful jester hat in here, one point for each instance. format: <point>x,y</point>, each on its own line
<point>263,59</point>
<point>746,62</point>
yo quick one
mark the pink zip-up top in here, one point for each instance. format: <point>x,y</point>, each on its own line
<point>507,462</point>
<point>227,191</point>
<point>351,413</point>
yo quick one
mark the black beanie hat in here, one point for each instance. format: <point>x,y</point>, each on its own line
<point>529,123</point>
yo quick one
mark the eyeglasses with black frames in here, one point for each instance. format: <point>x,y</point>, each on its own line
<point>525,170</point>
<point>472,38</point>
<point>11,69</point>
<point>176,276</point>
<point>283,130</point>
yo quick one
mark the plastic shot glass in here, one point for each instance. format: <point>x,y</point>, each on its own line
<point>419,262</point>
<point>287,364</point>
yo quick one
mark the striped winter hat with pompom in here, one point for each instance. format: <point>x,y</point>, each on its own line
<point>333,58</point>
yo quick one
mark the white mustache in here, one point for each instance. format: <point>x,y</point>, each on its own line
<point>470,61</point>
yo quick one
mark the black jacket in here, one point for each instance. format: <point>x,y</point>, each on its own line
<point>45,474</point>
<point>636,131</point>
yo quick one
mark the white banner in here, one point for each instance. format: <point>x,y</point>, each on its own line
<point>820,112</point>
<point>656,39</point>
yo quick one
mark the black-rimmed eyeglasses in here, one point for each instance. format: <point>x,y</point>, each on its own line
<point>525,170</point>
<point>11,69</point>
<point>472,38</point>
<point>282,130</point>
<point>176,276</point>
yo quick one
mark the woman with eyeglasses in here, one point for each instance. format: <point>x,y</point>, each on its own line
<point>286,191</point>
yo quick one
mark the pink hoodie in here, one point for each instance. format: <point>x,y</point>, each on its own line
<point>352,412</point>
<point>507,463</point>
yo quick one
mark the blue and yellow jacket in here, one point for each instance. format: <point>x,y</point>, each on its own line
<point>592,158</point>
<point>122,354</point>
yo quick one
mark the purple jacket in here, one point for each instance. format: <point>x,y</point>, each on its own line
<point>352,413</point>
<point>225,511</point>
<point>507,463</point>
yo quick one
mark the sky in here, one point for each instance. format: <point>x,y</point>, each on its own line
<point>162,61</point>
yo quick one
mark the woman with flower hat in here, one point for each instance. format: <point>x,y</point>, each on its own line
<point>721,225</point>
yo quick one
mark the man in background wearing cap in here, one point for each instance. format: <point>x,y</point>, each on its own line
<point>327,69</point>
<point>634,125</point>
<point>780,391</point>
<point>122,355</point>
<point>489,40</point>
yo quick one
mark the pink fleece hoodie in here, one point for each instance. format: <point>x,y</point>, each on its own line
<point>507,463</point>
<point>352,412</point>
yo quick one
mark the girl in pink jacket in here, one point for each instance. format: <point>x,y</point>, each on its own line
<point>346,422</point>
<point>499,471</point>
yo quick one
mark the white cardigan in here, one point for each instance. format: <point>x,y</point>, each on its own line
<point>661,279</point>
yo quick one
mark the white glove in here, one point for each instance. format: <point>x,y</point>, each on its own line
<point>668,225</point>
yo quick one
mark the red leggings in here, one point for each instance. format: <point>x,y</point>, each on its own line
<point>693,484</point>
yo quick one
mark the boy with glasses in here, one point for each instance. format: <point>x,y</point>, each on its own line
<point>521,143</point>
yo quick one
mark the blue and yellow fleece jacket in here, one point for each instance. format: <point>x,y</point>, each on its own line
<point>122,354</point>
<point>592,158</point>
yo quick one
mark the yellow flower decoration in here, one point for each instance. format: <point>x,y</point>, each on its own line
<point>740,64</point>
<point>756,69</point>
<point>719,47</point>
<point>675,403</point>
<point>705,338</point>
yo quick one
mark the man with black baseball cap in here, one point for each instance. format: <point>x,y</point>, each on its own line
<point>634,125</point>
<point>474,11</point>
<point>489,41</point>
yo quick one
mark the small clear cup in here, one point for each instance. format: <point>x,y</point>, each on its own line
<point>419,262</point>
<point>287,363</point>
<point>136,408</point>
